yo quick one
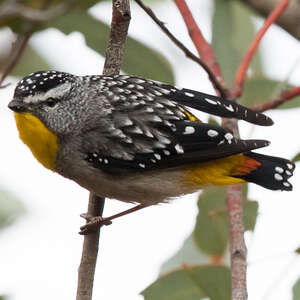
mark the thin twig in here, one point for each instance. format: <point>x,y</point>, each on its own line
<point>10,9</point>
<point>16,54</point>
<point>242,70</point>
<point>114,54</point>
<point>185,50</point>
<point>284,97</point>
<point>204,49</point>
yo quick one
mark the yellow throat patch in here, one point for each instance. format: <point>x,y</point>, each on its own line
<point>41,141</point>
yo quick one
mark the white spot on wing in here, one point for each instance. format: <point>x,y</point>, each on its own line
<point>157,156</point>
<point>189,94</point>
<point>229,107</point>
<point>211,101</point>
<point>228,136</point>
<point>189,130</point>
<point>179,149</point>
<point>212,133</point>
<point>278,177</point>
<point>279,170</point>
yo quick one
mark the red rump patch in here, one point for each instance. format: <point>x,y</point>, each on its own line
<point>247,166</point>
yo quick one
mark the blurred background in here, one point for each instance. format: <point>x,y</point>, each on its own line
<point>39,210</point>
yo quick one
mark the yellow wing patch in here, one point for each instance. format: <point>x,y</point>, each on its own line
<point>41,141</point>
<point>215,172</point>
<point>191,116</point>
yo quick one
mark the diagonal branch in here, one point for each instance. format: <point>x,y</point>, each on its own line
<point>16,54</point>
<point>114,54</point>
<point>242,70</point>
<point>289,21</point>
<point>284,97</point>
<point>185,50</point>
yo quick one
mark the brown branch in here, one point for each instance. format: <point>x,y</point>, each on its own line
<point>284,97</point>
<point>15,56</point>
<point>289,20</point>
<point>10,9</point>
<point>204,49</point>
<point>86,270</point>
<point>242,70</point>
<point>114,54</point>
<point>238,250</point>
<point>186,51</point>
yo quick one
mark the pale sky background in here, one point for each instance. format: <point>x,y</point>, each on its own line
<point>40,254</point>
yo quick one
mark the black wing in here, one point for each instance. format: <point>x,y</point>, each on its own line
<point>148,130</point>
<point>216,105</point>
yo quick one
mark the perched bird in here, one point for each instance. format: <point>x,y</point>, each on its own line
<point>135,140</point>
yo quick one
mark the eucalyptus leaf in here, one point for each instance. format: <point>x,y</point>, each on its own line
<point>211,230</point>
<point>233,32</point>
<point>10,209</point>
<point>192,283</point>
<point>296,290</point>
<point>213,121</point>
<point>258,90</point>
<point>296,157</point>
<point>187,254</point>
<point>139,59</point>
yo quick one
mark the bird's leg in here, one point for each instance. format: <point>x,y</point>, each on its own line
<point>94,223</point>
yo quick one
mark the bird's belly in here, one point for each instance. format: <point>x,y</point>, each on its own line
<point>146,188</point>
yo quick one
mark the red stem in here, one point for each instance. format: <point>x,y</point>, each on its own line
<point>284,97</point>
<point>204,49</point>
<point>242,70</point>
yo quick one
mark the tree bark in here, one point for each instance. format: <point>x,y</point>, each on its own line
<point>115,50</point>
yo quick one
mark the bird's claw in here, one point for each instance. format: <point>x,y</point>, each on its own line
<point>93,224</point>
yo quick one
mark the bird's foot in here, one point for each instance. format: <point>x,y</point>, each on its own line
<point>93,224</point>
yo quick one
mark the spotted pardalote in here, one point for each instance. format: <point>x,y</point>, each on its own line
<point>135,140</point>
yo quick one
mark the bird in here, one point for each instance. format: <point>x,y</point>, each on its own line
<point>136,140</point>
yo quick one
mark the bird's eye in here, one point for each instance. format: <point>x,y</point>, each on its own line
<point>51,102</point>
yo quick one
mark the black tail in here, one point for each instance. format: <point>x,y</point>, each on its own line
<point>273,173</point>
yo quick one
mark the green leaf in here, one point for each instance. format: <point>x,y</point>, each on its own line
<point>296,290</point>
<point>30,61</point>
<point>250,214</point>
<point>233,31</point>
<point>297,251</point>
<point>261,89</point>
<point>211,230</point>
<point>192,283</point>
<point>213,121</point>
<point>10,209</point>
<point>139,59</point>
<point>187,254</point>
<point>86,4</point>
<point>296,157</point>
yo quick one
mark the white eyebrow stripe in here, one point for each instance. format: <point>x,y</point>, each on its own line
<point>56,92</point>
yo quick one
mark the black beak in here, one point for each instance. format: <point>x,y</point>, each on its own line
<point>17,106</point>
